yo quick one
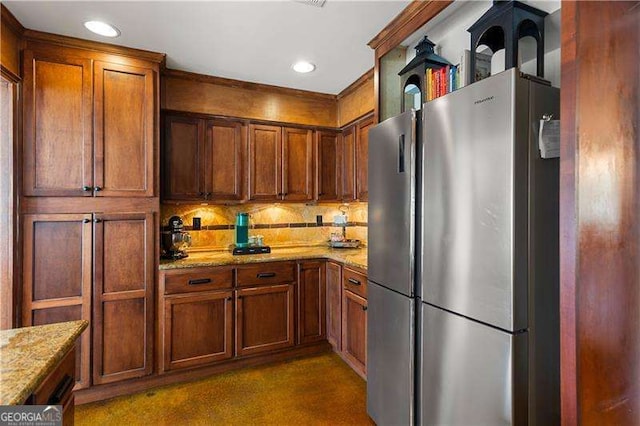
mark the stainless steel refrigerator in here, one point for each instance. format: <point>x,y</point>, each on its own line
<point>463,261</point>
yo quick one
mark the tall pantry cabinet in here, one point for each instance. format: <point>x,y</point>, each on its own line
<point>89,205</point>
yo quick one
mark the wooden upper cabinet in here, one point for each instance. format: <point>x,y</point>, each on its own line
<point>89,126</point>
<point>329,165</point>
<point>362,159</point>
<point>183,159</point>
<point>124,279</point>
<point>55,290</point>
<point>265,162</point>
<point>348,187</point>
<point>58,147</point>
<point>297,164</point>
<point>225,153</point>
<point>124,130</point>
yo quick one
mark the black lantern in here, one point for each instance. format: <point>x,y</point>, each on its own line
<point>502,26</point>
<point>413,75</point>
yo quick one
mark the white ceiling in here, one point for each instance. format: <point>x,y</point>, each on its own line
<point>245,40</point>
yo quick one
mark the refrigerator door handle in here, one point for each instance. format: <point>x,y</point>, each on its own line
<point>401,154</point>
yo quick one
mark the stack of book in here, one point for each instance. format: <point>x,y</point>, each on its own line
<point>441,81</point>
<point>445,80</point>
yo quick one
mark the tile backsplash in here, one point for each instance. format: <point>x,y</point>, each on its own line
<point>281,224</point>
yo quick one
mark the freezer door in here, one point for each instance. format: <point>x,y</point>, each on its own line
<point>390,356</point>
<point>392,202</point>
<point>471,374</point>
<point>471,232</point>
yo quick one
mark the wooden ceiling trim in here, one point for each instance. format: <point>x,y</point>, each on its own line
<point>239,84</point>
<point>415,15</point>
<point>368,75</point>
<point>32,35</point>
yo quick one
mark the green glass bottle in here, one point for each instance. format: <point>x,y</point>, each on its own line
<point>242,230</point>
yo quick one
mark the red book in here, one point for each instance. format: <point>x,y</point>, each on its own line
<point>437,74</point>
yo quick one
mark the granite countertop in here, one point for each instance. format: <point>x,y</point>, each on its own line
<point>348,256</point>
<point>29,354</point>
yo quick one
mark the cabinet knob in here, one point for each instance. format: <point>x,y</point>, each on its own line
<point>97,220</point>
<point>229,298</point>
<point>201,194</point>
<point>86,188</point>
<point>239,297</point>
<point>86,220</point>
<point>208,194</point>
<point>320,193</point>
<point>364,308</point>
<point>97,188</point>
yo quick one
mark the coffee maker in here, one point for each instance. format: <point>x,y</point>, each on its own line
<point>175,240</point>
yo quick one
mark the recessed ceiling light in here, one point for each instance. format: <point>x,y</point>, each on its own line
<point>303,67</point>
<point>102,28</point>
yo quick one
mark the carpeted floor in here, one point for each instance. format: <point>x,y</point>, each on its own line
<point>318,390</point>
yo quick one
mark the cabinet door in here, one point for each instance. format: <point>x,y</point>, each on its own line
<point>334,305</point>
<point>297,164</point>
<point>311,302</point>
<point>224,142</point>
<point>198,329</point>
<point>354,331</point>
<point>329,170</point>
<point>125,116</point>
<point>264,319</point>
<point>362,159</point>
<point>124,260</point>
<point>183,159</point>
<point>265,162</point>
<point>57,256</point>
<point>57,126</point>
<point>348,164</point>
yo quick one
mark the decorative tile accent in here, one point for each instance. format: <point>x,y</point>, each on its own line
<point>280,224</point>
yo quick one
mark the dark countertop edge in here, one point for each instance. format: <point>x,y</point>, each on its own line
<point>38,377</point>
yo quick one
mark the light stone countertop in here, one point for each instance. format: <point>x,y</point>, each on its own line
<point>29,354</point>
<point>347,256</point>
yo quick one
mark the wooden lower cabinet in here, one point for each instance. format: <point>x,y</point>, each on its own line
<point>57,388</point>
<point>198,329</point>
<point>354,331</point>
<point>124,277</point>
<point>56,291</point>
<point>311,302</point>
<point>264,318</point>
<point>334,305</point>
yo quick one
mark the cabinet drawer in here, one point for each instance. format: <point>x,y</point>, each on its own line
<point>56,388</point>
<point>266,273</point>
<point>204,279</point>
<point>354,282</point>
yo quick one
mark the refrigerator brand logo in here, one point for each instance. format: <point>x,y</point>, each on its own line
<point>490,98</point>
